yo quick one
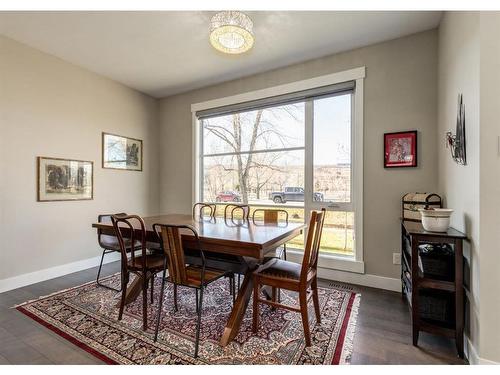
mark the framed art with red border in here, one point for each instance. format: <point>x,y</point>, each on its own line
<point>400,149</point>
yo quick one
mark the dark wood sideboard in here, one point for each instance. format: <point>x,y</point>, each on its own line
<point>418,288</point>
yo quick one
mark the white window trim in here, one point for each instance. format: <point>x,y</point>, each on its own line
<point>355,264</point>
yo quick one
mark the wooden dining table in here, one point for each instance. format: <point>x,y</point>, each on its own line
<point>233,245</point>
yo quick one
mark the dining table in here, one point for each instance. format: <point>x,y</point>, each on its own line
<point>239,246</point>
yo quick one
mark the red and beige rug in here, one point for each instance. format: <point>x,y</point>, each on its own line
<point>87,316</point>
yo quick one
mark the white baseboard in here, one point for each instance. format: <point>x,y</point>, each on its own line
<point>373,281</point>
<point>348,271</point>
<point>53,272</point>
<point>484,361</point>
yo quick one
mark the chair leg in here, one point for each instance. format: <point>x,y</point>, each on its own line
<point>152,287</point>
<point>256,289</point>
<point>273,296</point>
<point>314,288</point>
<point>284,257</point>
<point>160,303</point>
<point>175,297</point>
<point>234,289</point>
<point>104,252</point>
<point>197,302</point>
<point>144,302</point>
<point>198,324</point>
<point>239,282</point>
<point>305,318</point>
<point>124,294</point>
<point>100,267</point>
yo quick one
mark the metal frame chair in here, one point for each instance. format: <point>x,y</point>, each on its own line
<point>107,247</point>
<point>179,274</point>
<point>245,210</point>
<point>144,266</point>
<point>200,207</point>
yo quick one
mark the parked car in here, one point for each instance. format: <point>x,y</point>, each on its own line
<point>228,196</point>
<point>292,194</point>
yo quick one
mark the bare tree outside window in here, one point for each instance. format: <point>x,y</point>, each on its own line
<point>250,138</point>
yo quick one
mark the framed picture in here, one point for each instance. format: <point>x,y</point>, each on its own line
<point>119,152</point>
<point>64,179</point>
<point>400,149</point>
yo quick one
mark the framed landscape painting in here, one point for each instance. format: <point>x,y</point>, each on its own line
<point>400,149</point>
<point>64,179</point>
<point>119,152</point>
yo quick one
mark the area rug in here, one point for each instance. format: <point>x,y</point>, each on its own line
<point>87,315</point>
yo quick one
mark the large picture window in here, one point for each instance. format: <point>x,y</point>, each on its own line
<point>294,152</point>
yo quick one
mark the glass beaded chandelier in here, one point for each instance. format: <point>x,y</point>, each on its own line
<point>231,32</point>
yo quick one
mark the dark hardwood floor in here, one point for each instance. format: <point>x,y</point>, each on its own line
<point>383,332</point>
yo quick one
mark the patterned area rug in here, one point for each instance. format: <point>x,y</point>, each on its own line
<point>87,316</point>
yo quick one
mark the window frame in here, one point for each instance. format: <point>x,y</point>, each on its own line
<point>337,262</point>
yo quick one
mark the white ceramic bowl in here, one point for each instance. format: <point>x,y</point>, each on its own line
<point>436,220</point>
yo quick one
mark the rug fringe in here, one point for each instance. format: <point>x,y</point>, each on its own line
<point>348,345</point>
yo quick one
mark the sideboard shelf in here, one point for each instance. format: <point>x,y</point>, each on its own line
<point>414,284</point>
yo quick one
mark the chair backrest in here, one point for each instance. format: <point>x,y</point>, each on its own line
<point>171,243</point>
<point>126,231</point>
<point>105,218</point>
<point>200,208</point>
<point>270,216</point>
<point>231,208</point>
<point>313,241</point>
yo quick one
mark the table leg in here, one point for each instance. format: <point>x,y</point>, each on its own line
<point>239,309</point>
<point>133,291</point>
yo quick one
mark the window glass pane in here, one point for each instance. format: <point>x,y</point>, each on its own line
<point>270,128</point>
<point>337,237</point>
<point>338,233</point>
<point>256,179</point>
<point>332,149</point>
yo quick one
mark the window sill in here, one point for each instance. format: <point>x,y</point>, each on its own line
<point>333,262</point>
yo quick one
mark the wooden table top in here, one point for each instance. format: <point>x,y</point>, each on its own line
<point>227,234</point>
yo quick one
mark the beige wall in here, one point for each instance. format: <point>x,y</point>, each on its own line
<point>489,186</point>
<point>52,108</point>
<point>400,94</point>
<point>469,61</point>
<point>459,73</point>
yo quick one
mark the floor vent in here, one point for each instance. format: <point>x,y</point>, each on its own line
<point>341,286</point>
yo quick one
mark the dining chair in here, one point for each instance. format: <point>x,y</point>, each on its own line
<point>229,211</point>
<point>283,274</point>
<point>109,244</point>
<point>200,208</point>
<point>146,265</point>
<point>197,277</point>
<point>272,217</point>
<point>231,208</point>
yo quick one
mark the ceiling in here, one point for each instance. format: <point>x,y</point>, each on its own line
<point>167,52</point>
